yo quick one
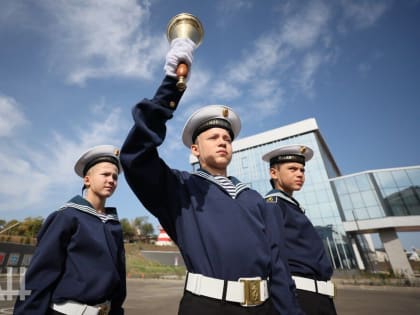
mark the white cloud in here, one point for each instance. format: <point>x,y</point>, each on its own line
<point>103,38</point>
<point>43,173</point>
<point>263,57</point>
<point>230,6</point>
<point>11,117</point>
<point>302,29</point>
<point>310,64</point>
<point>364,13</point>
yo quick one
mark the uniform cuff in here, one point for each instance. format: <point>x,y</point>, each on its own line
<point>168,94</point>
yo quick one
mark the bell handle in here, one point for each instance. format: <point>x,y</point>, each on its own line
<point>182,72</point>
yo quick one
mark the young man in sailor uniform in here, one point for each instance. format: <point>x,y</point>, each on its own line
<point>79,264</point>
<point>221,226</point>
<point>309,263</point>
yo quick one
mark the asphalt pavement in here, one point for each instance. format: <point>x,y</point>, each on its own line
<point>161,297</point>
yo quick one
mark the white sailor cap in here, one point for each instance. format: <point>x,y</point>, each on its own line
<point>100,153</point>
<point>211,116</point>
<point>290,153</point>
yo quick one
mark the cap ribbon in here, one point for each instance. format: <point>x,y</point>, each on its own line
<point>213,123</point>
<point>287,158</point>
<point>100,159</point>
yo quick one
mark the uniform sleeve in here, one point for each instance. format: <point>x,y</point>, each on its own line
<point>46,265</point>
<point>118,300</point>
<point>153,182</point>
<point>282,287</point>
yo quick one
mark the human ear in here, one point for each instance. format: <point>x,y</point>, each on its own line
<point>273,172</point>
<point>86,181</point>
<point>195,150</point>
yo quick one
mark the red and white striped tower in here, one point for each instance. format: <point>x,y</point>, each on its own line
<point>163,239</point>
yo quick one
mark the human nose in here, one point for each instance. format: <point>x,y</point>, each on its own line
<point>222,142</point>
<point>112,179</point>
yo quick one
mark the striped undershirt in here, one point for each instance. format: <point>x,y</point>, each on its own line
<point>227,185</point>
<point>231,185</point>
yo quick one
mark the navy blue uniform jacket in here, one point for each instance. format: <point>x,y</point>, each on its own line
<point>80,257</point>
<point>305,250</point>
<point>218,236</point>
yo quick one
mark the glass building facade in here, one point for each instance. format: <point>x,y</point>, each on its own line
<point>385,201</point>
<point>316,197</point>
<point>380,193</point>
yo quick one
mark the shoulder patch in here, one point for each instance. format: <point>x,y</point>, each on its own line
<point>271,199</point>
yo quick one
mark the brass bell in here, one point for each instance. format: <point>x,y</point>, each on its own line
<point>184,25</point>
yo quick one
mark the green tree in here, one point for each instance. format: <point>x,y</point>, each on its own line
<point>128,230</point>
<point>143,227</point>
<point>9,227</point>
<point>147,229</point>
<point>30,227</point>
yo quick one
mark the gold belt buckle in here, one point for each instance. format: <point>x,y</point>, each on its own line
<point>252,294</point>
<point>103,309</point>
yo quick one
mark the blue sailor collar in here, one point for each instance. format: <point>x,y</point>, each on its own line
<point>239,186</point>
<point>272,196</point>
<point>81,204</point>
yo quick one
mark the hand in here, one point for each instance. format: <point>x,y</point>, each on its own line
<point>181,51</point>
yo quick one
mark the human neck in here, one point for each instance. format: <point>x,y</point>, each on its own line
<point>97,203</point>
<point>216,172</point>
<point>289,193</point>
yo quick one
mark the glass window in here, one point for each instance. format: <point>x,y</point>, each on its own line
<point>322,196</point>
<point>348,215</point>
<point>310,198</point>
<point>385,180</point>
<point>375,212</point>
<point>357,201</point>
<point>346,202</point>
<point>401,178</point>
<point>369,198</point>
<point>388,192</point>
<point>396,203</point>
<point>412,201</point>
<point>363,182</point>
<point>360,214</point>
<point>352,185</point>
<point>414,175</point>
<point>340,186</point>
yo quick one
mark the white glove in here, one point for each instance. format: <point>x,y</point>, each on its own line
<point>181,51</point>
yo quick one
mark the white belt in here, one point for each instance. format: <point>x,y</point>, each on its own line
<point>246,291</point>
<point>321,287</point>
<point>75,308</point>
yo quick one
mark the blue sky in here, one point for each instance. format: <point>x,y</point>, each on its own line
<point>72,70</point>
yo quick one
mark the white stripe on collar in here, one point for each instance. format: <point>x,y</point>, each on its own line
<point>285,197</point>
<point>90,210</point>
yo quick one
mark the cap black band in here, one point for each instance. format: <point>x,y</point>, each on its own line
<point>109,159</point>
<point>213,123</point>
<point>287,158</point>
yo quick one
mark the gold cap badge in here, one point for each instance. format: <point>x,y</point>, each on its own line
<point>225,112</point>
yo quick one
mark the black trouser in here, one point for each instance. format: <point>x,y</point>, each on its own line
<point>192,304</point>
<point>315,304</point>
<point>53,312</point>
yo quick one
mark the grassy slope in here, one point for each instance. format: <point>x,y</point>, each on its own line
<point>140,267</point>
